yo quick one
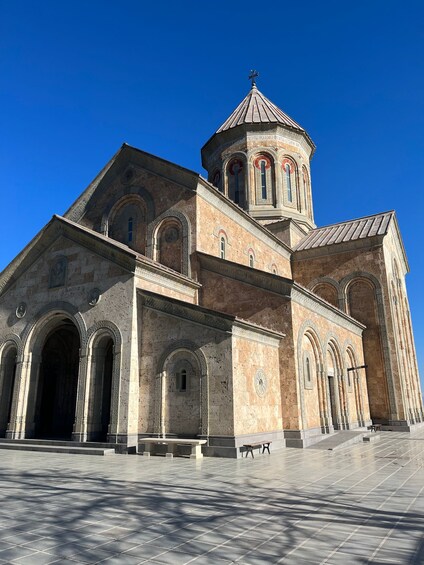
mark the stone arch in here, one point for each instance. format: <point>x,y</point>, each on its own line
<point>100,404</point>
<point>127,222</point>
<point>263,167</point>
<point>251,257</point>
<point>327,289</point>
<point>34,337</point>
<point>367,305</point>
<point>11,339</point>
<point>180,221</point>
<point>236,175</point>
<point>39,325</point>
<point>125,192</point>
<point>354,380</point>
<point>182,348</point>
<point>310,330</point>
<point>336,386</point>
<point>9,355</point>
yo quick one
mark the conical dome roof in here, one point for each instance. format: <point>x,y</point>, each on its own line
<point>257,109</point>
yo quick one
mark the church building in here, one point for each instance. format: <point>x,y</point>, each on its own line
<point>163,303</point>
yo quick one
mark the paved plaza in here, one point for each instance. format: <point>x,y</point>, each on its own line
<point>362,504</point>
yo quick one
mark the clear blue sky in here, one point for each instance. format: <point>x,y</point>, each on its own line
<point>79,78</point>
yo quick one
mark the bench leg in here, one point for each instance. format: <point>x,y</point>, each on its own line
<point>266,446</point>
<point>147,450</point>
<point>196,452</point>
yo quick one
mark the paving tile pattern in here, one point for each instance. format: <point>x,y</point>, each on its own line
<point>359,505</point>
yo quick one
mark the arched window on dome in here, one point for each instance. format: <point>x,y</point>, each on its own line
<point>264,179</point>
<point>290,182</point>
<point>130,229</point>
<point>236,181</point>
<point>216,180</point>
<point>306,188</point>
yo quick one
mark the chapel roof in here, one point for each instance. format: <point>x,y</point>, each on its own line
<point>351,230</point>
<point>255,108</point>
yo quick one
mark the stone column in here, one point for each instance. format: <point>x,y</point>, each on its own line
<point>26,366</point>
<point>79,432</point>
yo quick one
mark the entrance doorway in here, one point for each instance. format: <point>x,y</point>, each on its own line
<point>101,390</point>
<point>57,385</point>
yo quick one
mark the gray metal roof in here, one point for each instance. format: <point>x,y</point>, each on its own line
<point>257,109</point>
<point>346,231</point>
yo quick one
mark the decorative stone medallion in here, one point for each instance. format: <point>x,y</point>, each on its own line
<point>171,235</point>
<point>260,383</point>
<point>21,310</point>
<point>94,296</point>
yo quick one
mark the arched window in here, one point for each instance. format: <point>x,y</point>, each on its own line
<point>264,179</point>
<point>236,181</point>
<point>181,380</point>
<point>222,247</point>
<point>288,183</point>
<point>216,180</point>
<point>308,370</point>
<point>127,222</point>
<point>305,180</point>
<point>251,260</point>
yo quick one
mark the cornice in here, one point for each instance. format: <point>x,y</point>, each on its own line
<point>254,277</point>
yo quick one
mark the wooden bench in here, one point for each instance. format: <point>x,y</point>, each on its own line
<point>264,445</point>
<point>374,427</point>
<point>171,446</point>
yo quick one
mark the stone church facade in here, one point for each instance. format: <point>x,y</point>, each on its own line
<point>164,303</point>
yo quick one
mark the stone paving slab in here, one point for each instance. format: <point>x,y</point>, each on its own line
<point>363,504</point>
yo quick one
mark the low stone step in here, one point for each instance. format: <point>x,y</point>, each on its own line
<point>57,449</point>
<point>339,440</point>
<point>56,442</point>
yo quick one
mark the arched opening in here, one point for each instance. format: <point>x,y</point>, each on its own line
<point>56,390</point>
<point>98,419</point>
<point>170,244</point>
<point>7,382</point>
<point>127,223</point>
<point>336,391</point>
<point>327,292</point>
<point>362,303</point>
<point>236,182</point>
<point>264,179</point>
<point>182,393</point>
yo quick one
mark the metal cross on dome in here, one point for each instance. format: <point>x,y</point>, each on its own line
<point>252,76</point>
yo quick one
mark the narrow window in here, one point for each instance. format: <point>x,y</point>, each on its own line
<point>288,182</point>
<point>251,260</point>
<point>263,179</point>
<point>130,230</point>
<point>308,370</point>
<point>182,380</point>
<point>236,171</point>
<point>305,191</point>
<point>222,248</point>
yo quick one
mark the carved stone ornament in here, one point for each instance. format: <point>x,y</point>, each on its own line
<point>94,296</point>
<point>21,310</point>
<point>128,176</point>
<point>260,383</point>
<point>58,272</point>
<point>171,235</point>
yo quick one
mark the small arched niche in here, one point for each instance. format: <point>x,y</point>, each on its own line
<point>182,406</point>
<point>170,244</point>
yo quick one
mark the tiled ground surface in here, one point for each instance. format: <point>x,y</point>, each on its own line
<point>360,505</point>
